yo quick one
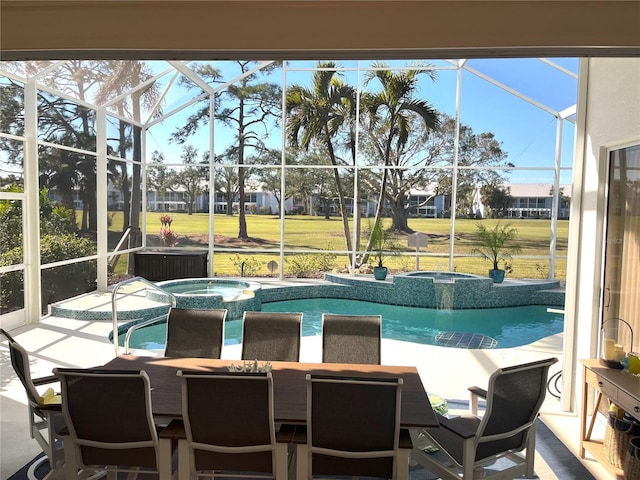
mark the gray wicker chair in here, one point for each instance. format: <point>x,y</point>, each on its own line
<point>195,333</point>
<point>229,427</point>
<point>351,338</point>
<point>490,445</point>
<point>271,336</point>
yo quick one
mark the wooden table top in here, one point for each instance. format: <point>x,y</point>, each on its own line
<point>288,383</point>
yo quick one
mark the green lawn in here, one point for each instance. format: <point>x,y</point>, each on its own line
<point>316,233</point>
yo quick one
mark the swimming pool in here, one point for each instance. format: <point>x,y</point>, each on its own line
<point>510,327</point>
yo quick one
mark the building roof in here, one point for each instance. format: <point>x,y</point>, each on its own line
<point>517,190</point>
<point>535,189</point>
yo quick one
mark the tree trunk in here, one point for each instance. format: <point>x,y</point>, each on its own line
<point>230,205</point>
<point>378,216</point>
<point>124,184</point>
<point>242,220</point>
<point>341,199</point>
<point>84,223</point>
<point>399,216</point>
<point>136,194</point>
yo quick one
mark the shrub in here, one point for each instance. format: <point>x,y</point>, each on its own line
<point>301,266</point>
<point>247,266</point>
<point>54,219</point>
<point>59,282</point>
<point>326,261</point>
<point>310,265</point>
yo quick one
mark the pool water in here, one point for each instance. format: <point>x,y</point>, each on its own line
<point>510,327</point>
<point>227,291</point>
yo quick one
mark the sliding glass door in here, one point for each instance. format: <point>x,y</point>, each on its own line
<point>621,292</point>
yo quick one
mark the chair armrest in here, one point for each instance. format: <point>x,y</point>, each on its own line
<point>45,380</point>
<point>480,392</point>
<point>455,427</point>
<point>476,392</point>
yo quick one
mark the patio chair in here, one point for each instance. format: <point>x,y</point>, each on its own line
<point>110,424</point>
<point>195,333</point>
<point>351,338</point>
<point>353,428</point>
<point>271,336</point>
<point>490,446</point>
<point>229,426</point>
<point>45,425</point>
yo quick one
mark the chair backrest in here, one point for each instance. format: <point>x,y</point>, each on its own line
<point>353,425</point>
<point>351,338</point>
<point>514,397</point>
<point>195,333</point>
<point>272,336</point>
<point>228,419</point>
<point>109,417</point>
<point>20,364</point>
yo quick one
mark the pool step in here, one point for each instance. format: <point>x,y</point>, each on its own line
<point>97,306</point>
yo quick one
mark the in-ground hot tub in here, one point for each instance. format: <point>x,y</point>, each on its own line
<point>208,293</point>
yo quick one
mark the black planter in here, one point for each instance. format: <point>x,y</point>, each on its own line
<point>380,273</point>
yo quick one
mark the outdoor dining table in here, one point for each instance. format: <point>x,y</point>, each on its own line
<point>289,394</point>
<point>289,385</point>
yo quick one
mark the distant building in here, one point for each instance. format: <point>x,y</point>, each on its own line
<point>530,200</point>
<point>535,200</point>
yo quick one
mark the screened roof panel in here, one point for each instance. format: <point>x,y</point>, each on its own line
<point>109,81</point>
<point>529,76</point>
<point>176,92</point>
<point>403,64</point>
<point>217,74</point>
<point>26,70</point>
<point>313,64</point>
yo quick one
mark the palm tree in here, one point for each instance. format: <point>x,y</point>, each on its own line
<point>319,115</point>
<point>389,111</point>
<point>496,244</point>
<point>123,76</point>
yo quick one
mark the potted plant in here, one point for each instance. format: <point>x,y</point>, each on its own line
<point>379,242</point>
<point>496,245</point>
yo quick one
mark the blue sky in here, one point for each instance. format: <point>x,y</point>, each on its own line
<point>527,132</point>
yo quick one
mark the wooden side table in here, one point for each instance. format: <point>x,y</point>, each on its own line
<point>620,388</point>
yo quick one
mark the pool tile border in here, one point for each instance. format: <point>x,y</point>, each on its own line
<point>461,293</point>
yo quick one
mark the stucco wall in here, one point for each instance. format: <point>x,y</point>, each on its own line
<point>609,118</point>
